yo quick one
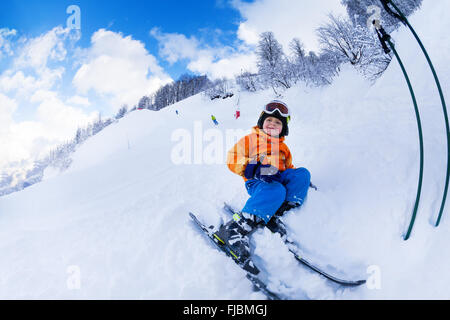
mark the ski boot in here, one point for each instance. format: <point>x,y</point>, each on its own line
<point>275,224</point>
<point>286,206</point>
<point>235,235</point>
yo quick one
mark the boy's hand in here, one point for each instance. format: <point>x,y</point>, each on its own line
<point>263,172</point>
<point>268,173</point>
<point>250,169</point>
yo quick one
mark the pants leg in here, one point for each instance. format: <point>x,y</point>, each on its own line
<point>265,198</point>
<point>297,183</point>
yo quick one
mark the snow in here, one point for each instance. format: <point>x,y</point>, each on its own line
<point>116,225</point>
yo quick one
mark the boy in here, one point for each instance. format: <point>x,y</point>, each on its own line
<point>274,185</point>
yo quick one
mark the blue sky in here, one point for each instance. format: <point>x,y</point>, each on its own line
<point>53,79</point>
<point>134,17</point>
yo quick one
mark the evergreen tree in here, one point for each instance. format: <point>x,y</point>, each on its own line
<point>122,111</point>
<point>144,103</point>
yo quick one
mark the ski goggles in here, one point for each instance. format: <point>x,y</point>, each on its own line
<point>279,106</point>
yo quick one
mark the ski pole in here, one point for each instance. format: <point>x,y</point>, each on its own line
<point>385,40</point>
<point>399,15</point>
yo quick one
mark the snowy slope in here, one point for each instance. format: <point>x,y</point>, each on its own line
<point>117,219</point>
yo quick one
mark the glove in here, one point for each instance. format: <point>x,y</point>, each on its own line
<point>263,172</point>
<point>268,173</point>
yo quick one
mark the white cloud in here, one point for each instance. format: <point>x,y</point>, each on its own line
<point>29,90</point>
<point>5,43</point>
<point>228,67</point>
<point>59,119</point>
<point>175,46</point>
<point>119,67</point>
<point>25,85</point>
<point>248,33</point>
<point>216,62</point>
<point>30,69</point>
<point>287,19</point>
<point>38,51</point>
<point>79,100</point>
<point>7,108</point>
<point>55,122</point>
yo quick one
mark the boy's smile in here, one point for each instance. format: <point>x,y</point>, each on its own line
<point>272,126</point>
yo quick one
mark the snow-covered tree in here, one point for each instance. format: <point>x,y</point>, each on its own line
<point>273,64</point>
<point>186,86</point>
<point>219,89</point>
<point>353,43</point>
<point>362,11</point>
<point>248,81</point>
<point>339,37</point>
<point>144,103</point>
<point>122,111</point>
<point>97,126</point>
<point>299,61</point>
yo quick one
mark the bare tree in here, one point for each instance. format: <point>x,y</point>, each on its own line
<point>219,88</point>
<point>355,44</point>
<point>272,63</point>
<point>339,36</point>
<point>248,81</point>
<point>299,61</point>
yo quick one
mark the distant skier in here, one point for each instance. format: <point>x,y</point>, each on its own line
<point>214,120</point>
<point>271,180</point>
<point>176,112</point>
<point>238,114</point>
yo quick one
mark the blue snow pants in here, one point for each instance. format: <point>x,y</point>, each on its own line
<point>266,198</point>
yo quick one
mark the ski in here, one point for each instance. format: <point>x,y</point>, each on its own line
<point>295,250</point>
<point>258,284</point>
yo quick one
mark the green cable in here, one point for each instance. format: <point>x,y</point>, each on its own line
<point>386,38</point>
<point>419,125</point>
<point>444,107</point>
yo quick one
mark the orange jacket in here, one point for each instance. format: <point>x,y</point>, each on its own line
<point>259,146</point>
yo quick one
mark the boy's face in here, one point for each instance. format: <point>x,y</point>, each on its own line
<point>272,126</point>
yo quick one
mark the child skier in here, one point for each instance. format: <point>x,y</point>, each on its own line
<point>213,118</point>
<point>274,185</point>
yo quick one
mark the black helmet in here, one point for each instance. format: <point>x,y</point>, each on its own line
<point>272,109</point>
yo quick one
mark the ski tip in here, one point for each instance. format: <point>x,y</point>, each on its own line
<point>194,217</point>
